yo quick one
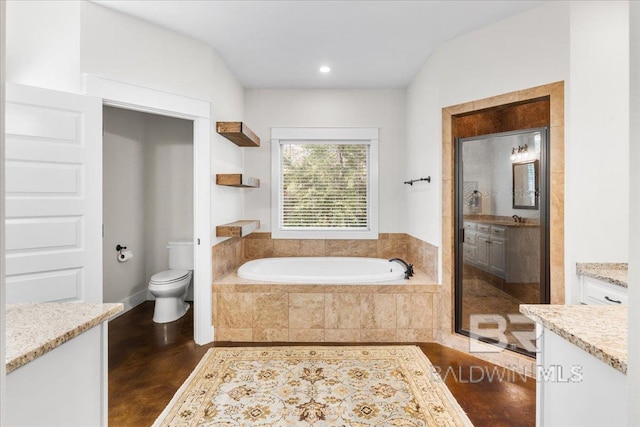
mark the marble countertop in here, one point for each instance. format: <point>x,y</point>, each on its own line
<point>34,329</point>
<point>614,273</point>
<point>600,330</point>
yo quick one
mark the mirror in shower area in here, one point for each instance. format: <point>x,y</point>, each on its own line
<point>502,256</point>
<point>525,185</point>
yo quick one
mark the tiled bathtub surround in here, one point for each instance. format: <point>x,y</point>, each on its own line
<point>245,310</point>
<point>227,256</point>
<point>230,254</point>
<point>264,312</point>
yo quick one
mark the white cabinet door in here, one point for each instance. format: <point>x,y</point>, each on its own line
<point>497,257</point>
<point>482,252</point>
<point>53,196</point>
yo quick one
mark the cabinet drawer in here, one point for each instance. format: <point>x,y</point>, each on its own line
<point>470,237</point>
<point>469,252</point>
<point>483,228</point>
<point>601,293</point>
<point>498,231</point>
<point>470,225</point>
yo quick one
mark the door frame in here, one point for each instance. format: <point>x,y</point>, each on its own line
<point>119,94</point>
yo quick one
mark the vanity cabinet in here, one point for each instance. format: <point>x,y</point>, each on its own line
<point>485,247</point>
<point>510,252</point>
<point>600,292</point>
<point>581,365</point>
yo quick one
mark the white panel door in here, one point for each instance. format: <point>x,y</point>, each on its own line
<point>53,171</point>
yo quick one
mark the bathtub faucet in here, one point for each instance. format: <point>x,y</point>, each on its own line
<point>408,268</point>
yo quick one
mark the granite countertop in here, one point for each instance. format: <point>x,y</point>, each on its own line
<point>600,330</point>
<point>614,273</point>
<point>34,329</point>
<point>501,221</point>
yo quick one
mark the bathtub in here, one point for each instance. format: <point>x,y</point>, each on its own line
<point>322,270</point>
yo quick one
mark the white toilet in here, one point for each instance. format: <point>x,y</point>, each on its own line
<point>170,287</point>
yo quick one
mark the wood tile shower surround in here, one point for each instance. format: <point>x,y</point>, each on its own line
<point>263,312</point>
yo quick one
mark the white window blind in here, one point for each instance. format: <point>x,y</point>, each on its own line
<point>324,183</point>
<point>324,186</point>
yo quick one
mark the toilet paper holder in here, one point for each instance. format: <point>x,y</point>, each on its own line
<point>120,248</point>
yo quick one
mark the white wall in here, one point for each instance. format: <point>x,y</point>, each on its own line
<point>384,109</point>
<point>148,197</point>
<point>168,195</point>
<point>634,211</point>
<point>3,376</point>
<point>597,186</point>
<point>526,50</point>
<point>43,44</point>
<point>123,202</point>
<point>124,48</point>
<point>86,38</point>
<point>583,43</point>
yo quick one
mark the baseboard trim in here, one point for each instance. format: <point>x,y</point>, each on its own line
<point>132,301</point>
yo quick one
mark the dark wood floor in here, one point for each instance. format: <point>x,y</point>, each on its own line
<point>148,362</point>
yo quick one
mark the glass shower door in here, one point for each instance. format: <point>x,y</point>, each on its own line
<point>501,227</point>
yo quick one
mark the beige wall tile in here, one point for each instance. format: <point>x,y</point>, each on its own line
<point>363,248</point>
<point>224,257</point>
<point>232,334</point>
<point>286,247</point>
<point>392,247</point>
<point>495,100</point>
<point>270,311</point>
<point>258,248</point>
<point>342,335</point>
<point>556,148</point>
<point>357,248</point>
<point>415,311</point>
<point>233,310</point>
<point>337,247</point>
<point>270,335</point>
<point>378,335</point>
<point>306,335</point>
<point>342,311</point>
<point>312,247</point>
<point>306,311</point>
<point>415,335</point>
<point>378,311</point>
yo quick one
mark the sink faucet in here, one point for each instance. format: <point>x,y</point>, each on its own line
<point>517,219</point>
<point>408,268</point>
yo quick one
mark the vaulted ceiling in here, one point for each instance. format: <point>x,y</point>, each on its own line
<point>282,44</point>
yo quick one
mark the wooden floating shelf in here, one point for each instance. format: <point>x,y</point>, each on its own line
<point>238,133</point>
<point>237,180</point>
<point>238,228</point>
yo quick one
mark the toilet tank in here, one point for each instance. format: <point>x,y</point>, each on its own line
<point>180,255</point>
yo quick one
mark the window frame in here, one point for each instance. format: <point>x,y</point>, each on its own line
<point>286,136</point>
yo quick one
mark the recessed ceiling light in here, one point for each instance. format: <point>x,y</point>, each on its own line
<point>324,69</point>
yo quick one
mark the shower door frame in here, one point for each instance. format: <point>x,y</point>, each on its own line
<point>544,206</point>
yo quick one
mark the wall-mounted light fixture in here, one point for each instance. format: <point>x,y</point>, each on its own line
<point>520,153</point>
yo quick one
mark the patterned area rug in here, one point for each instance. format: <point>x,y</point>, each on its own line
<point>314,386</point>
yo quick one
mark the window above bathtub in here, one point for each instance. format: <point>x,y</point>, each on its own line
<point>325,183</point>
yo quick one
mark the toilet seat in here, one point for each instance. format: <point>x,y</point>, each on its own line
<point>168,277</point>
